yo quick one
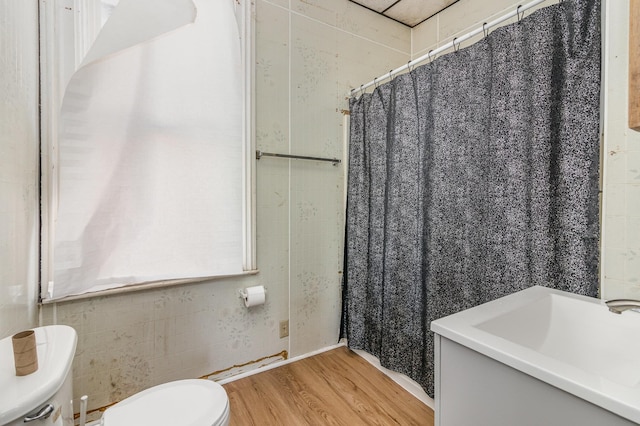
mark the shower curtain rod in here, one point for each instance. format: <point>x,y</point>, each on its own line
<point>455,42</point>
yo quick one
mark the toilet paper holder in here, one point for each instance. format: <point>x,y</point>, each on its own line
<point>253,296</point>
<point>243,293</point>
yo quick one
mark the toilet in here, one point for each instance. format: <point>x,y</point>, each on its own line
<point>184,402</point>
<point>48,392</point>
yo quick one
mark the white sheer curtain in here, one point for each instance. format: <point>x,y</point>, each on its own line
<point>150,151</point>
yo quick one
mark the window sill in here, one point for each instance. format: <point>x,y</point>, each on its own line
<point>144,286</point>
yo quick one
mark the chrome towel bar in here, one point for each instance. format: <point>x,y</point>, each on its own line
<point>260,154</point>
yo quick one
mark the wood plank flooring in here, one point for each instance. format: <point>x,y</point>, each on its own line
<point>337,387</point>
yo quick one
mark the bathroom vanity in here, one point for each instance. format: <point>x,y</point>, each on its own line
<point>538,357</point>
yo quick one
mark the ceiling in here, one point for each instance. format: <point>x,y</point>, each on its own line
<point>408,12</point>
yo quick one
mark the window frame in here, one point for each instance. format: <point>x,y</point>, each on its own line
<point>62,49</point>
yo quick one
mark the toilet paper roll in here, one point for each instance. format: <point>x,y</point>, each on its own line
<point>254,296</point>
<point>25,353</point>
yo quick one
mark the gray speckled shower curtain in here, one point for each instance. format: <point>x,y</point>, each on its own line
<point>473,177</point>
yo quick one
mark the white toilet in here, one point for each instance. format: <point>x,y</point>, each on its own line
<point>183,402</point>
<point>48,392</point>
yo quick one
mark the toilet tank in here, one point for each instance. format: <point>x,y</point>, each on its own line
<point>47,389</point>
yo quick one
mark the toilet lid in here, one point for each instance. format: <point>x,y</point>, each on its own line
<point>184,402</point>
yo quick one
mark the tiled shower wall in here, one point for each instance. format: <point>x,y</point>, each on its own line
<point>308,54</point>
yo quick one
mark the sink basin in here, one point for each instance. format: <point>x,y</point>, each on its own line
<point>569,341</point>
<point>585,335</point>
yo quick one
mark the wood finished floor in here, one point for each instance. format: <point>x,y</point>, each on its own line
<point>337,387</point>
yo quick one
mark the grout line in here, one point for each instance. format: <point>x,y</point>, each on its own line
<point>604,144</point>
<point>290,53</point>
<point>340,29</point>
<point>411,35</point>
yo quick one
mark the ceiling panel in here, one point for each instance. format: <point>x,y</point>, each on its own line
<point>409,12</point>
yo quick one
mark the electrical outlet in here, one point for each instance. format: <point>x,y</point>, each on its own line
<point>284,328</point>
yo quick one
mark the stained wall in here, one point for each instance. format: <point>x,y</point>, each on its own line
<point>308,54</point>
<point>19,151</point>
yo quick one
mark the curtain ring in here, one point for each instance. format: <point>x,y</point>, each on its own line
<point>520,16</point>
<point>429,56</point>
<point>391,76</point>
<point>409,66</point>
<point>361,91</point>
<point>455,49</point>
<point>375,83</point>
<point>485,30</point>
<point>351,93</point>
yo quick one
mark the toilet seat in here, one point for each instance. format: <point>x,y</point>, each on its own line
<point>194,402</point>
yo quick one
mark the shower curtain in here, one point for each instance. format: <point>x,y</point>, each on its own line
<point>470,178</point>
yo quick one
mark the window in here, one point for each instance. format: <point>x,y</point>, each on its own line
<point>147,153</point>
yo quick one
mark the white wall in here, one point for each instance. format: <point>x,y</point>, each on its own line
<point>620,262</point>
<point>18,165</point>
<point>308,54</point>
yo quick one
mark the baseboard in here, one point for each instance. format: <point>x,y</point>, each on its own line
<point>277,364</point>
